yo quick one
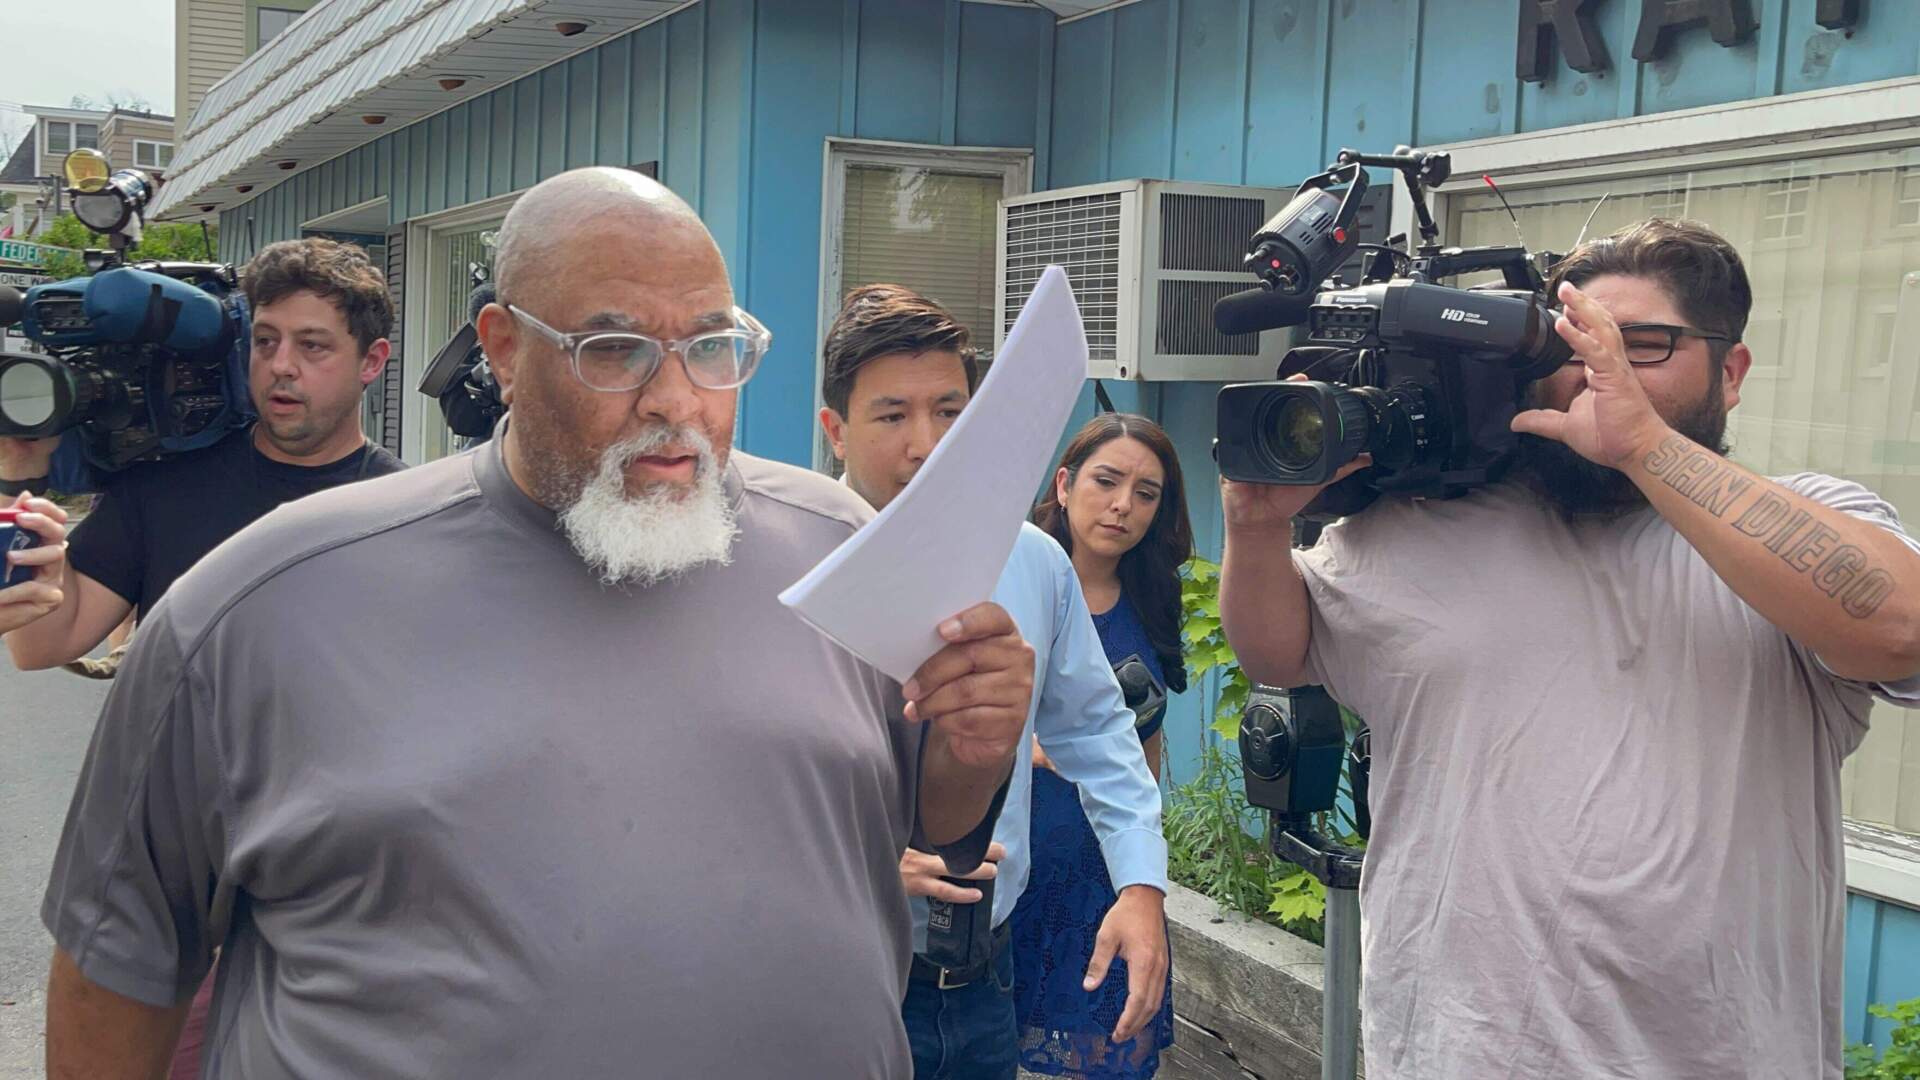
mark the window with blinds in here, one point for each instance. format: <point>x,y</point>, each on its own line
<point>922,217</point>
<point>928,229</point>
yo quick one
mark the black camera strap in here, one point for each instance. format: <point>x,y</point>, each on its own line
<point>20,487</point>
<point>1100,398</point>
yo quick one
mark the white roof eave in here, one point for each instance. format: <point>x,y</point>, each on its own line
<point>343,54</point>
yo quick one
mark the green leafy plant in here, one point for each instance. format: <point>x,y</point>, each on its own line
<point>1214,847</point>
<point>1299,898</point>
<point>1901,1061</point>
<point>1208,650</point>
<point>1216,841</point>
<point>1207,647</point>
<point>159,240</point>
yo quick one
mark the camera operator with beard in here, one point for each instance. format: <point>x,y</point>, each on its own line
<point>1609,701</point>
<point>320,319</point>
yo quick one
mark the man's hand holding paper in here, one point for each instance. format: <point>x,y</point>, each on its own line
<point>975,692</point>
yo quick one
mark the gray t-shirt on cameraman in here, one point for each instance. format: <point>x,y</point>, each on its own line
<point>453,809</point>
<point>1606,796</point>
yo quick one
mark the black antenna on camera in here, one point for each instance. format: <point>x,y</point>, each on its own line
<point>1517,231</point>
<point>1590,216</point>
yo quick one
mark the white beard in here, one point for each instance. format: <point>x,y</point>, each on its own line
<point>659,534</point>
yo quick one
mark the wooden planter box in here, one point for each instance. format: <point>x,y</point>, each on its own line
<point>1246,996</point>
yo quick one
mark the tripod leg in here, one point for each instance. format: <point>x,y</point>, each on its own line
<point>1340,989</point>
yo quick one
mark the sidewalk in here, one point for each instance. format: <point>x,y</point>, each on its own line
<point>45,723</point>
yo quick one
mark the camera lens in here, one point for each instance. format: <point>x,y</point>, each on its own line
<point>1299,433</point>
<point>37,397</point>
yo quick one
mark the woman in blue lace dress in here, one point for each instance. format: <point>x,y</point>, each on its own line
<point>1118,507</point>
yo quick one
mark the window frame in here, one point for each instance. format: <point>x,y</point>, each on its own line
<point>426,276</point>
<point>256,10</point>
<point>1014,164</point>
<point>1902,202</point>
<point>1776,131</point>
<point>156,144</point>
<point>72,127</point>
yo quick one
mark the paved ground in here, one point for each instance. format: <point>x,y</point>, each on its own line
<point>46,718</point>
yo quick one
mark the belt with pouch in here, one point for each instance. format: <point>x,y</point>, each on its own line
<point>926,971</point>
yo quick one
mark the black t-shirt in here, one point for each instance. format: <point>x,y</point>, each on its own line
<point>154,521</point>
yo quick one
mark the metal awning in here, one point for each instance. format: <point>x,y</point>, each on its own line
<point>301,99</point>
<point>1066,9</point>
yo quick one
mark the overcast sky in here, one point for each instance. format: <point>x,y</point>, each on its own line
<point>99,48</point>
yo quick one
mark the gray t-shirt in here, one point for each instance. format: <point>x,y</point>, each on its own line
<point>1606,796</point>
<point>452,808</point>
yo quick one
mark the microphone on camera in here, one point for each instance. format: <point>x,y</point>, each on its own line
<point>1252,310</point>
<point>482,295</point>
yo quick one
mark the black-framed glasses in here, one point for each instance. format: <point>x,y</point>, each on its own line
<point>1653,343</point>
<point>619,360</point>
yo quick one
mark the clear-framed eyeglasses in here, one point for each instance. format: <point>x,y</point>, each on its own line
<point>619,360</point>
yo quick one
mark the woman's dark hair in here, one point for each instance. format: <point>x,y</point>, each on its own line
<point>1150,572</point>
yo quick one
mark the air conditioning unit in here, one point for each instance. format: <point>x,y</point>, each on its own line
<point>1147,259</point>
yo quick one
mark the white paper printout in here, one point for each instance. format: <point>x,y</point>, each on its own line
<point>940,546</point>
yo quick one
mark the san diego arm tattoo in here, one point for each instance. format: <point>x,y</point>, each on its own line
<point>1708,480</point>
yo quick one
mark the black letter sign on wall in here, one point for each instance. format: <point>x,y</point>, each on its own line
<point>1731,22</point>
<point>1837,14</point>
<point>1572,22</point>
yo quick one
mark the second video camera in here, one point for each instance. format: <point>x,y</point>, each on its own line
<point>140,361</point>
<point>1424,376</point>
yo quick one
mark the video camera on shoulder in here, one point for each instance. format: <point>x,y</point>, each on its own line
<point>459,376</point>
<point>143,360</point>
<point>1424,376</point>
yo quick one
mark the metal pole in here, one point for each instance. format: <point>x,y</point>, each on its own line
<point>1340,991</point>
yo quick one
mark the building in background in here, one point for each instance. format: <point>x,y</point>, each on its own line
<point>212,37</point>
<point>829,143</point>
<point>128,137</point>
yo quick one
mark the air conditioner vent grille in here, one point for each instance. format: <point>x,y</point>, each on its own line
<point>1186,321</point>
<point>1207,232</point>
<point>1082,236</point>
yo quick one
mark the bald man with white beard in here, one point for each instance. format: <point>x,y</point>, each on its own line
<point>545,781</point>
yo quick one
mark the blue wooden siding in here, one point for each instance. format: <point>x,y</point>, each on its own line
<point>1266,91</point>
<point>1883,964</point>
<point>898,70</point>
<point>734,99</point>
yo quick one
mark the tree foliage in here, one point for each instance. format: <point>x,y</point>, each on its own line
<point>1901,1059</point>
<point>113,99</point>
<point>165,240</point>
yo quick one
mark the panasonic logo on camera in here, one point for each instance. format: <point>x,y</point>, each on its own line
<point>1457,315</point>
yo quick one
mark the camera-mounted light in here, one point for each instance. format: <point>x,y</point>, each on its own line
<point>106,200</point>
<point>86,170</point>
